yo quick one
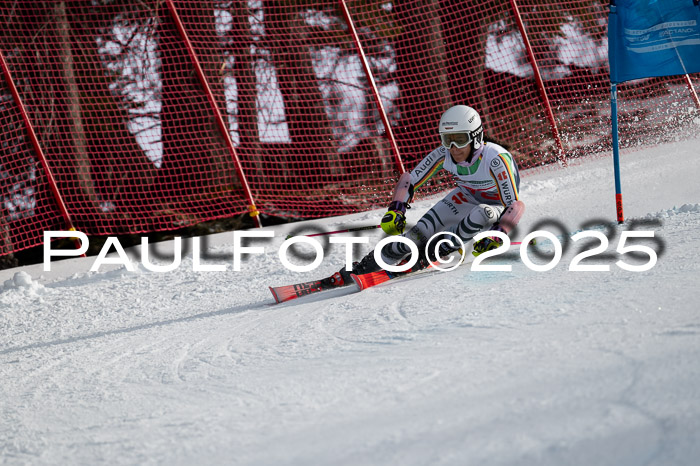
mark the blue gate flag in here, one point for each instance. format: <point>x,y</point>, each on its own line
<point>648,38</point>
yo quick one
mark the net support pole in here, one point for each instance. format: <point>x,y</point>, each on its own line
<point>373,84</point>
<point>38,149</point>
<point>538,78</point>
<point>616,153</point>
<point>693,94</point>
<point>612,56</point>
<point>252,210</point>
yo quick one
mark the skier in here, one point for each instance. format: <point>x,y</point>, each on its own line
<point>486,197</point>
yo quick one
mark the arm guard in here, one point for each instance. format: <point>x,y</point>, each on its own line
<point>511,216</point>
<point>394,221</point>
<point>403,193</point>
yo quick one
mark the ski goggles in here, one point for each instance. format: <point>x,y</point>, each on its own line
<point>458,139</point>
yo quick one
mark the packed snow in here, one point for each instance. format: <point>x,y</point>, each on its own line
<point>462,367</point>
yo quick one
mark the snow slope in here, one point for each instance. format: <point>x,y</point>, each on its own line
<point>464,367</point>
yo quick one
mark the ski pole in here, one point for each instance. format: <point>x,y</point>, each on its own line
<point>515,243</point>
<point>372,227</point>
<point>368,227</point>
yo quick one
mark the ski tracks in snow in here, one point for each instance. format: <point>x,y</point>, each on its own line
<point>499,367</point>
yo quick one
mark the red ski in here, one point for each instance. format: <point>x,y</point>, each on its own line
<point>371,279</point>
<point>289,292</point>
<point>364,281</point>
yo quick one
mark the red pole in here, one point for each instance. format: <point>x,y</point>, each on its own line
<point>37,147</point>
<point>693,94</point>
<point>538,76</point>
<point>375,90</point>
<point>212,101</point>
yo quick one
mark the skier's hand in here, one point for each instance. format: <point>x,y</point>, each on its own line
<point>448,245</point>
<point>486,244</point>
<point>394,221</point>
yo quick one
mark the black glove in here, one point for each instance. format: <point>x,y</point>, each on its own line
<point>447,247</point>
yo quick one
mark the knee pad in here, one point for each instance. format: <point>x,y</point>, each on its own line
<point>485,214</point>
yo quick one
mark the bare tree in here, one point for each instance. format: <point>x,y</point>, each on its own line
<point>421,57</point>
<point>238,41</point>
<point>122,173</point>
<point>45,69</point>
<point>197,162</point>
<point>289,39</point>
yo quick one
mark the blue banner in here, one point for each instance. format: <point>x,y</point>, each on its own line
<point>653,38</point>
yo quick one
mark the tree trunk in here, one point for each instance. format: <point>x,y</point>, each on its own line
<point>52,96</point>
<point>123,174</point>
<point>465,48</point>
<point>420,49</point>
<point>308,123</point>
<point>244,72</point>
<point>197,162</point>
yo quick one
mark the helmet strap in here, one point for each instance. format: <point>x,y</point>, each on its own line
<point>471,154</point>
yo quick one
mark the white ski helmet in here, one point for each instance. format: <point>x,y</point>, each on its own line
<point>461,125</point>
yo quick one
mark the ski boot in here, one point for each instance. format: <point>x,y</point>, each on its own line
<point>342,277</point>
